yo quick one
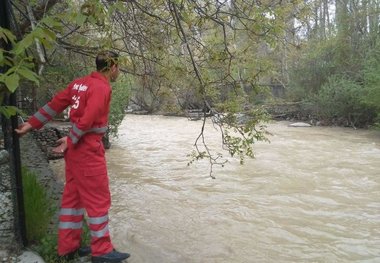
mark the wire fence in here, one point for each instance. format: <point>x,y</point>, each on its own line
<point>10,172</point>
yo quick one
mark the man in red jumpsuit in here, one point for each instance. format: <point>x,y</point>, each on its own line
<point>86,187</point>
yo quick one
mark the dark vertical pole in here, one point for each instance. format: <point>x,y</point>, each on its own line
<point>14,144</point>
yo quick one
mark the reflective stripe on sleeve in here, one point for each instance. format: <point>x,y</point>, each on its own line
<point>40,117</point>
<point>71,212</point>
<point>97,220</point>
<point>49,110</point>
<point>100,233</point>
<point>70,225</point>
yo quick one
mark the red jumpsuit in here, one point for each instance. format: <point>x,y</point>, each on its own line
<point>86,185</point>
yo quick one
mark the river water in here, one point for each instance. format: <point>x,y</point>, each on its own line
<point>310,195</point>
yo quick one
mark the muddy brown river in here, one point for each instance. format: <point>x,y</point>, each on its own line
<point>310,195</point>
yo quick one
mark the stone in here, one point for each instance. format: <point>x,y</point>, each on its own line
<point>4,254</point>
<point>299,124</point>
<point>29,257</point>
<point>4,156</point>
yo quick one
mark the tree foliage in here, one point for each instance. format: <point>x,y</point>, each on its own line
<point>335,65</point>
<point>181,54</point>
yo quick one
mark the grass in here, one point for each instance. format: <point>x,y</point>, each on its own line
<point>38,207</point>
<point>39,210</point>
<point>47,247</point>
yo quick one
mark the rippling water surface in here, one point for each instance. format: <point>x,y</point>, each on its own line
<point>311,195</point>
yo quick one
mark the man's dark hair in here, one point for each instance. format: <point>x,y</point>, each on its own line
<point>105,60</point>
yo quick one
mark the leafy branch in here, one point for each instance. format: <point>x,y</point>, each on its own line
<point>237,138</point>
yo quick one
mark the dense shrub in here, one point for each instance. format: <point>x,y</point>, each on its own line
<point>341,83</point>
<point>371,76</point>
<point>310,69</point>
<point>119,103</point>
<point>341,100</point>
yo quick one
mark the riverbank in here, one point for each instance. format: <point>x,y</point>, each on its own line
<point>285,111</point>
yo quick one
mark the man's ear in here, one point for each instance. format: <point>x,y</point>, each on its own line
<point>113,68</point>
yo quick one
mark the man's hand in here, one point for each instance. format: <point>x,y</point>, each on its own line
<point>62,145</point>
<point>23,128</point>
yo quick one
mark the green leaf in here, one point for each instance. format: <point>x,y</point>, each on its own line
<point>1,57</point>
<point>12,81</point>
<point>44,34</point>
<point>8,61</point>
<point>119,6</point>
<point>91,20</point>
<point>23,44</point>
<point>80,19</point>
<point>6,35</point>
<point>46,43</point>
<point>9,111</point>
<point>28,74</point>
<point>52,23</point>
<point>49,33</point>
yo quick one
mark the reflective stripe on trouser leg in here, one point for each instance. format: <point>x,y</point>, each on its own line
<point>96,199</point>
<point>99,231</point>
<point>70,217</point>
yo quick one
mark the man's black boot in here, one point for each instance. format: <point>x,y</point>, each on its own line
<point>81,252</point>
<point>84,251</point>
<point>114,256</point>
